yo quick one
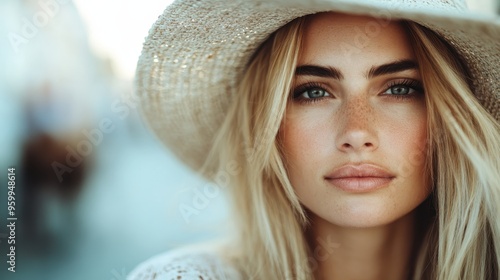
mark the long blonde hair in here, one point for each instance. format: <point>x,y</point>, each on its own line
<point>463,241</point>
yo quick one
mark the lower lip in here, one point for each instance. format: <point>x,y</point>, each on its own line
<point>360,184</point>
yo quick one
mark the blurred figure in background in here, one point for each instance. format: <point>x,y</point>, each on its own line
<point>41,188</point>
<point>58,86</point>
<point>45,178</point>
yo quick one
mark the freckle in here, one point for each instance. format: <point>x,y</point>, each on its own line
<point>360,110</point>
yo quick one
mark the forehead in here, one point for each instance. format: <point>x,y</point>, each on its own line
<point>337,38</point>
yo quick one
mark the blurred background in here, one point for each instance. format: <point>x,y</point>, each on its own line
<point>95,193</point>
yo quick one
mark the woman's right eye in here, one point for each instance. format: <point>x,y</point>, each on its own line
<point>310,93</point>
<point>314,93</point>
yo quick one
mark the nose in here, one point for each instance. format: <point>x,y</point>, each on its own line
<point>356,126</point>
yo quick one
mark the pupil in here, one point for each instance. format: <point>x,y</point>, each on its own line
<point>400,90</point>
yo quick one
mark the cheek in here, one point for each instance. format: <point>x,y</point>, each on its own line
<point>296,143</point>
<point>408,138</point>
<point>308,149</point>
<point>407,145</point>
<point>305,137</point>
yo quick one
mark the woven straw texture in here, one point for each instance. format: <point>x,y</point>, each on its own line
<point>196,52</point>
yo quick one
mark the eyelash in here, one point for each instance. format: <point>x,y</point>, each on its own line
<point>412,84</point>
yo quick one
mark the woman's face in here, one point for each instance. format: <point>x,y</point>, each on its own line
<point>354,134</point>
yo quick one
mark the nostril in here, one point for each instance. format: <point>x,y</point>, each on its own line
<point>348,146</point>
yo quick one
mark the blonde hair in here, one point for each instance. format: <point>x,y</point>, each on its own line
<point>463,159</point>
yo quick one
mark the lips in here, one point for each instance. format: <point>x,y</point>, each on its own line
<point>360,177</point>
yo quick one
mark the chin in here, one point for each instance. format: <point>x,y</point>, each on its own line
<point>366,214</point>
<point>362,221</point>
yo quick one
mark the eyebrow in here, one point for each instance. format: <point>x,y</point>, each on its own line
<point>334,73</point>
<point>319,71</point>
<point>393,67</point>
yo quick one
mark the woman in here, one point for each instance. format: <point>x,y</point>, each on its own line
<point>353,146</point>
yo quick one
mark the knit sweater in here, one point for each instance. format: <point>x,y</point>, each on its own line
<point>186,264</point>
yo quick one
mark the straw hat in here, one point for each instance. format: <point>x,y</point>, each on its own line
<point>197,50</point>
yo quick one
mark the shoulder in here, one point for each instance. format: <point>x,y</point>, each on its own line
<point>186,263</point>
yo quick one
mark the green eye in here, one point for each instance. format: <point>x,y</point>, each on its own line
<point>400,90</point>
<point>309,93</point>
<point>404,88</point>
<point>314,93</point>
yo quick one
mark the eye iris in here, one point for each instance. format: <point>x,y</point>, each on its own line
<point>400,90</point>
<point>314,93</point>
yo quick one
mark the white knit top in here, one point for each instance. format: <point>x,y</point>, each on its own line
<point>186,264</point>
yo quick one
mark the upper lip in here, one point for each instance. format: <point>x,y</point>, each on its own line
<point>358,171</point>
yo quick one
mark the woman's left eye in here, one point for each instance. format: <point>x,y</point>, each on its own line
<point>400,90</point>
<point>404,89</point>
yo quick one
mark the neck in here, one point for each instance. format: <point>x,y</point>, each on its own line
<point>384,252</point>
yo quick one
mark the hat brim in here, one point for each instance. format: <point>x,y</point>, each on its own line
<point>196,53</point>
